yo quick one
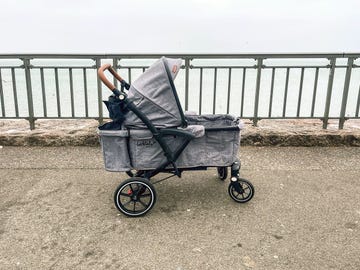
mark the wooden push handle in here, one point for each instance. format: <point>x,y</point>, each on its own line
<point>104,79</point>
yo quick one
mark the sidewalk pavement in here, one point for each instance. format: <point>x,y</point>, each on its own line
<point>57,212</point>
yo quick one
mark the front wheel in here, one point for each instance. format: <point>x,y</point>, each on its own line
<point>135,197</point>
<point>244,193</point>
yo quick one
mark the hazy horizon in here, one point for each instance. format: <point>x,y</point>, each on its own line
<point>198,26</point>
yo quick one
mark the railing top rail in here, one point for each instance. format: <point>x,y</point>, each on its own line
<point>183,55</point>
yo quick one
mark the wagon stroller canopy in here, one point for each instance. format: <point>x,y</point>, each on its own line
<point>154,94</point>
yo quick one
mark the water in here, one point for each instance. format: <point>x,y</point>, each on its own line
<point>207,102</point>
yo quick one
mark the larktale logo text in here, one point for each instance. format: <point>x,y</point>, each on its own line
<point>145,143</point>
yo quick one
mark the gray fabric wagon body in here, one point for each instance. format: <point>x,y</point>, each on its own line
<point>217,137</point>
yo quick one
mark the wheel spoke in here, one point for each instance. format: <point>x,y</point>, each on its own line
<point>124,204</point>
<point>145,195</point>
<point>142,203</point>
<point>124,194</point>
<point>134,205</point>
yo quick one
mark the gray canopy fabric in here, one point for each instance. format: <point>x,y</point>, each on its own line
<point>154,94</point>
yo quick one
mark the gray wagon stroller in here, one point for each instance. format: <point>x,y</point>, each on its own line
<point>150,134</point>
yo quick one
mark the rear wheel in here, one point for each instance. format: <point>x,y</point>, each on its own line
<point>222,172</point>
<point>135,197</point>
<point>244,194</point>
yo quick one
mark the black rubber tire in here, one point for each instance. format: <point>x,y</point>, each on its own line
<point>222,173</point>
<point>131,191</point>
<point>246,195</point>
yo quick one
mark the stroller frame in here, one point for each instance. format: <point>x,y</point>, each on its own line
<point>139,186</point>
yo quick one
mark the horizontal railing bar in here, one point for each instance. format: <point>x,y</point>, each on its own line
<point>295,117</point>
<point>134,67</point>
<point>239,67</point>
<point>180,55</point>
<point>10,67</point>
<point>191,67</point>
<point>244,117</point>
<point>300,67</point>
<point>45,67</point>
<point>62,67</point>
<point>52,117</point>
<point>263,67</point>
<point>223,67</point>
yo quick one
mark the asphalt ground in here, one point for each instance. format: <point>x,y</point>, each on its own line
<point>57,212</point>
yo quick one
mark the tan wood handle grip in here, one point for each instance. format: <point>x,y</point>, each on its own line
<point>104,79</point>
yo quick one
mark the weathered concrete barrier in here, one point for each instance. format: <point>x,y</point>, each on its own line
<point>267,133</point>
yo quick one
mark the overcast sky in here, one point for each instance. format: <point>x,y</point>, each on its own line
<point>183,26</point>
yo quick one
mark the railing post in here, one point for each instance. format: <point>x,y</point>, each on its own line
<point>228,94</point>
<point>99,88</point>
<point>2,102</point>
<point>214,94</point>
<point>350,63</point>
<point>187,68</point>
<point>243,92</point>
<point>358,104</point>
<point>329,91</point>
<point>115,64</point>
<point>257,90</point>
<point>27,67</point>
<point>200,92</point>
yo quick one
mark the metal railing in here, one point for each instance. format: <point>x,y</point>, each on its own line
<point>254,86</point>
